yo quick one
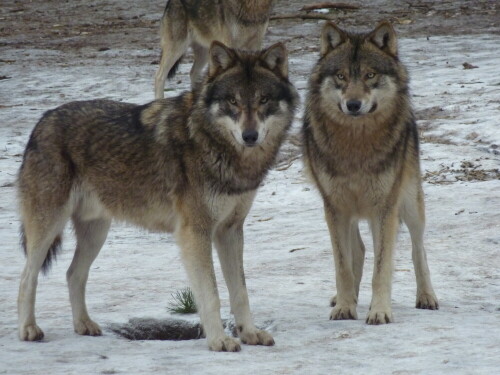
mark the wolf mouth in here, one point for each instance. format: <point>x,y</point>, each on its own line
<point>358,114</point>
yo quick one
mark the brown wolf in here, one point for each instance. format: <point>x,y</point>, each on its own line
<point>361,149</point>
<point>197,23</point>
<point>190,165</point>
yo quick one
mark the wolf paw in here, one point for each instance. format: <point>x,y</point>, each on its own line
<point>343,313</point>
<point>376,317</point>
<point>427,301</point>
<point>256,337</point>
<point>87,328</point>
<point>31,333</point>
<point>224,344</point>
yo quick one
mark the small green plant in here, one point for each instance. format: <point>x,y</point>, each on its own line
<point>183,302</point>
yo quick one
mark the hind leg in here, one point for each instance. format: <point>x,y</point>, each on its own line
<point>248,38</point>
<point>171,52</point>
<point>40,236</point>
<point>90,238</point>
<point>200,60</point>
<point>174,42</point>
<point>414,217</point>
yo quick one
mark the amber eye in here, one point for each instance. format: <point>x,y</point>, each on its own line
<point>370,75</point>
<point>263,99</point>
<point>340,76</point>
<point>232,101</point>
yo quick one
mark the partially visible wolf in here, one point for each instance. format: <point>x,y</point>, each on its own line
<point>361,148</point>
<point>189,165</point>
<point>239,24</point>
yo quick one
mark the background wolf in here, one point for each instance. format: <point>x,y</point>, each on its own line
<point>189,165</point>
<point>361,148</point>
<point>236,23</point>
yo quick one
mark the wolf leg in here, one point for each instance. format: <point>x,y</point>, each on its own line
<point>358,259</point>
<point>384,228</point>
<point>346,299</point>
<point>248,38</point>
<point>200,60</point>
<point>172,49</point>
<point>414,217</point>
<point>196,248</point>
<point>358,256</point>
<point>90,237</point>
<point>40,234</point>
<point>229,243</point>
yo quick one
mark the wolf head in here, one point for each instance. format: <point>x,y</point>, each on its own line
<point>359,75</point>
<point>246,97</point>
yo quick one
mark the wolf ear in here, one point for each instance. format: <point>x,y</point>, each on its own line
<point>221,58</point>
<point>384,37</point>
<point>331,37</point>
<point>276,59</point>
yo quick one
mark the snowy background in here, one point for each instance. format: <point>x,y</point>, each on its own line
<point>288,259</point>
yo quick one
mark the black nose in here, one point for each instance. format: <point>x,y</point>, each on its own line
<point>250,136</point>
<point>353,105</point>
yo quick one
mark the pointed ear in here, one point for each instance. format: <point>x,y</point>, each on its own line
<point>331,37</point>
<point>221,58</point>
<point>276,59</point>
<point>384,37</point>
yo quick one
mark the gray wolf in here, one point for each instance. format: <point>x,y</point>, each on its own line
<point>361,149</point>
<point>197,23</point>
<point>190,165</point>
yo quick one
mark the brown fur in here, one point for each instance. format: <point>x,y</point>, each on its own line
<point>361,149</point>
<point>178,165</point>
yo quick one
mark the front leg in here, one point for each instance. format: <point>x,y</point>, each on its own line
<point>229,243</point>
<point>346,300</point>
<point>196,248</point>
<point>384,228</point>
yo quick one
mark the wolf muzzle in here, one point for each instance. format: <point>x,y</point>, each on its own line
<point>250,137</point>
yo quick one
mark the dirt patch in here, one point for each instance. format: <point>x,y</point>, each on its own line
<point>95,26</point>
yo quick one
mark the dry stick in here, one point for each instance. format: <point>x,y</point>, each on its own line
<point>301,16</point>
<point>330,6</point>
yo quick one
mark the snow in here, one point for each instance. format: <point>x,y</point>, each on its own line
<point>288,259</point>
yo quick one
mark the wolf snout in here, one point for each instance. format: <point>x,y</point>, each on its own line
<point>250,136</point>
<point>353,106</point>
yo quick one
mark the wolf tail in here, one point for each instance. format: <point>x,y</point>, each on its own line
<point>52,253</point>
<point>174,68</point>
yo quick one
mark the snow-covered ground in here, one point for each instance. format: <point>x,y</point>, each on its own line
<point>288,260</point>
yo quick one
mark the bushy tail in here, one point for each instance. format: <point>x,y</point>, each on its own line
<point>54,250</point>
<point>173,70</point>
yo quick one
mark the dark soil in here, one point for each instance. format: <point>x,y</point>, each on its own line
<point>91,27</point>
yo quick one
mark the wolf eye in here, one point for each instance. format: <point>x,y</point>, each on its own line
<point>232,100</point>
<point>370,75</point>
<point>263,99</point>
<point>340,76</point>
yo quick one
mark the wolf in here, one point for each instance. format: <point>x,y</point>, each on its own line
<point>361,148</point>
<point>197,23</point>
<point>190,165</point>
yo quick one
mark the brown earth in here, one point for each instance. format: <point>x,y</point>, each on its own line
<point>90,27</point>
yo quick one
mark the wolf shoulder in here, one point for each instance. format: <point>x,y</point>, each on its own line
<point>107,118</point>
